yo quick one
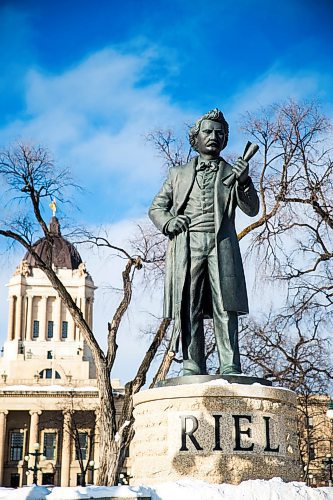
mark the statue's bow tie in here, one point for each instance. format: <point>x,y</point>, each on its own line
<point>212,165</point>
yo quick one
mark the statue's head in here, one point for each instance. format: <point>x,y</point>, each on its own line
<point>215,115</point>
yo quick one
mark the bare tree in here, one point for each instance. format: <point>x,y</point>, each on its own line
<point>170,148</point>
<point>293,236</point>
<point>31,179</point>
<point>315,434</point>
<point>294,356</point>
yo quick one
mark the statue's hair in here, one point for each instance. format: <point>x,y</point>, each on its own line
<point>216,116</point>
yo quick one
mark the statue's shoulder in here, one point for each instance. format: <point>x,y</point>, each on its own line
<point>185,167</point>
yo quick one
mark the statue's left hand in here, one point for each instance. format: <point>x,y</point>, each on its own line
<point>241,170</point>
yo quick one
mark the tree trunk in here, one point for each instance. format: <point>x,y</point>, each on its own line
<point>108,444</point>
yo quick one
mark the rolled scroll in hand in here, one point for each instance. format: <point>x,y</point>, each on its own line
<point>250,150</point>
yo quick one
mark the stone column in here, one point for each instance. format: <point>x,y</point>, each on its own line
<point>43,319</point>
<point>29,319</point>
<point>91,312</point>
<point>96,444</point>
<point>33,437</point>
<point>33,433</point>
<point>84,307</point>
<point>71,327</point>
<point>18,318</point>
<point>58,322</point>
<point>84,313</point>
<point>66,450</point>
<point>75,329</point>
<point>3,425</point>
<point>10,335</point>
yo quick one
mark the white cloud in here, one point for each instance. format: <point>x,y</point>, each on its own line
<point>94,117</point>
<point>277,85</point>
<point>274,87</point>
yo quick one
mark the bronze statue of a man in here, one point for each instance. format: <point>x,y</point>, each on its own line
<point>204,273</point>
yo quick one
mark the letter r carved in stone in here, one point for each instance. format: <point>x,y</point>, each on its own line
<point>189,433</point>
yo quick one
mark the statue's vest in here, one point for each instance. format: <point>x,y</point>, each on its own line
<point>200,204</point>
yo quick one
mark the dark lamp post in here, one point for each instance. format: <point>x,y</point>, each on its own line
<point>123,479</point>
<point>35,468</point>
<point>91,467</point>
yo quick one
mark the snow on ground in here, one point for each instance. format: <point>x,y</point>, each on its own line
<point>186,489</point>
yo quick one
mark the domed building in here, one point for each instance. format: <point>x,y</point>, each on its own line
<point>48,389</point>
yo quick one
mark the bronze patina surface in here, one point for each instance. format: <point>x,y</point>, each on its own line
<point>195,209</point>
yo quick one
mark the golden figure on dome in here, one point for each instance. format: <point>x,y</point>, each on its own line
<point>53,206</point>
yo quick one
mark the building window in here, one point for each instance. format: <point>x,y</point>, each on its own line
<point>35,331</point>
<point>81,446</point>
<point>64,330</point>
<point>16,446</point>
<point>48,478</point>
<point>49,355</point>
<point>50,329</point>
<point>50,440</point>
<point>48,373</point>
<point>312,452</point>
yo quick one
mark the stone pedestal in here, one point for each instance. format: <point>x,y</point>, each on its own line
<point>215,431</point>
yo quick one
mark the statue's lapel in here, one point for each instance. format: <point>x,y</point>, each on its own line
<point>225,170</point>
<point>185,181</point>
<point>222,191</point>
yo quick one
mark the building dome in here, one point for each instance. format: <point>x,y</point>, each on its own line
<point>63,253</point>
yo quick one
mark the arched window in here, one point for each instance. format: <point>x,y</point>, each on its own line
<point>49,373</point>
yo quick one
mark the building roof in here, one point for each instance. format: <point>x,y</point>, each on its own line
<point>63,253</point>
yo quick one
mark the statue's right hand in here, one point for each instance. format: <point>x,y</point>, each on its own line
<point>178,225</point>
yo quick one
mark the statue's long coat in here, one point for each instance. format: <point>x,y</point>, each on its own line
<point>170,202</point>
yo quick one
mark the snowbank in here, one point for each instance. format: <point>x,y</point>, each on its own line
<point>187,489</point>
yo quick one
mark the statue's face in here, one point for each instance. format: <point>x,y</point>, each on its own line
<point>210,139</point>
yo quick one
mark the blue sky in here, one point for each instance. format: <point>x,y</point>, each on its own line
<point>90,80</point>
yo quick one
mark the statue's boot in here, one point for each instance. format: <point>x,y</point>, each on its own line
<point>231,371</point>
<point>190,367</point>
